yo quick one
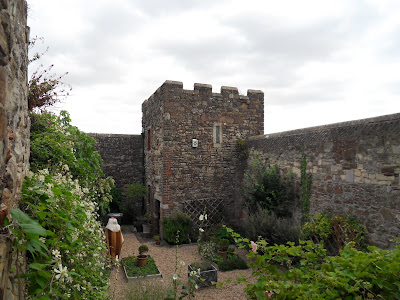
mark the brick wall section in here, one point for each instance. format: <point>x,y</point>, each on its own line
<point>122,156</point>
<point>14,122</point>
<point>355,167</point>
<point>177,172</point>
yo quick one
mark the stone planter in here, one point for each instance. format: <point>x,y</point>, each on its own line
<point>129,278</point>
<point>146,228</point>
<point>209,276</point>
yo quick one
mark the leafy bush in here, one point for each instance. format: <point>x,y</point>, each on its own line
<point>135,192</point>
<point>143,248</point>
<point>334,232</point>
<point>59,147</point>
<point>264,186</point>
<point>306,271</point>
<point>177,228</point>
<point>267,225</point>
<point>57,225</point>
<point>208,250</point>
<point>223,244</point>
<point>116,199</point>
<point>71,256</point>
<point>232,263</point>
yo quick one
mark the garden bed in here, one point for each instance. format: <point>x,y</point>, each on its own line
<point>134,272</point>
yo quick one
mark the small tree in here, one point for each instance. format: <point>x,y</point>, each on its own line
<point>45,88</point>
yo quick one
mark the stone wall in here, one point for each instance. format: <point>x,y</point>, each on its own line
<point>122,156</point>
<point>14,122</point>
<point>355,168</point>
<point>177,172</point>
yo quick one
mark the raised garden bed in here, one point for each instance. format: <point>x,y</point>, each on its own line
<point>208,275</point>
<point>134,272</point>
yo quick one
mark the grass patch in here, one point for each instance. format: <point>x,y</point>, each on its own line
<point>133,270</point>
<point>146,291</point>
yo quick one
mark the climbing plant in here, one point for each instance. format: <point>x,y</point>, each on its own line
<point>305,185</point>
<point>264,186</point>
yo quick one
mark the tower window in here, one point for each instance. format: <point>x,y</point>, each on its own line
<point>217,135</point>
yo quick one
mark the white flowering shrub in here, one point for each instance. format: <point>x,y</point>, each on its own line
<point>60,147</point>
<point>57,226</point>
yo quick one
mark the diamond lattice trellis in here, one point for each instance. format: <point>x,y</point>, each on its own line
<point>213,207</point>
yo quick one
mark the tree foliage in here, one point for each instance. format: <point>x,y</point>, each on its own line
<point>44,87</point>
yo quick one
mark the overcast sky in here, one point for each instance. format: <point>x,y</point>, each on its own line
<point>318,62</point>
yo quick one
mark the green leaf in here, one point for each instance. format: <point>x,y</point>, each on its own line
<point>37,266</point>
<point>33,228</point>
<point>41,214</point>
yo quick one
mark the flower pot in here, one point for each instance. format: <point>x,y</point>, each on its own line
<point>223,254</point>
<point>142,259</point>
<point>146,228</point>
<point>209,276</point>
<point>158,243</point>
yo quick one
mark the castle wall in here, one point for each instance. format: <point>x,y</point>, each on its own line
<point>355,168</point>
<point>14,123</point>
<point>176,171</point>
<point>122,156</point>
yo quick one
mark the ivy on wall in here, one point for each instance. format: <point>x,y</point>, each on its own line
<point>305,186</point>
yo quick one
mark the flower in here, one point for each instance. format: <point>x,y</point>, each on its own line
<point>56,253</point>
<point>201,218</point>
<point>175,277</point>
<point>201,229</point>
<point>253,246</point>
<point>43,240</point>
<point>61,272</point>
<point>182,263</point>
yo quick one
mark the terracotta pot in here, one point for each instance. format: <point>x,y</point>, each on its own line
<point>223,254</point>
<point>142,260</point>
<point>158,243</point>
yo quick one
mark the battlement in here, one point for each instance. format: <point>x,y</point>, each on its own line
<point>201,88</point>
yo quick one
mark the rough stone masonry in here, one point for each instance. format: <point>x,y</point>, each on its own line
<point>14,121</point>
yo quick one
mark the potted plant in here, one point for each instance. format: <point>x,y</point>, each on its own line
<point>223,245</point>
<point>157,239</point>
<point>208,273</point>
<point>142,258</point>
<point>147,223</point>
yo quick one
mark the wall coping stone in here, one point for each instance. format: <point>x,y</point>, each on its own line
<point>367,121</point>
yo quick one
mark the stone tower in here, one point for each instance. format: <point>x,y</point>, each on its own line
<point>191,146</point>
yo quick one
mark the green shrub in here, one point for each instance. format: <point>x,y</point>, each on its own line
<point>57,223</point>
<point>116,199</point>
<point>143,248</point>
<point>128,205</point>
<point>60,147</point>
<point>232,263</point>
<point>305,271</point>
<point>267,225</point>
<point>266,187</point>
<point>223,245</point>
<point>177,228</point>
<point>334,232</point>
<point>208,250</point>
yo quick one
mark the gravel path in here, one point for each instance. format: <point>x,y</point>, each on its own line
<point>164,257</point>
